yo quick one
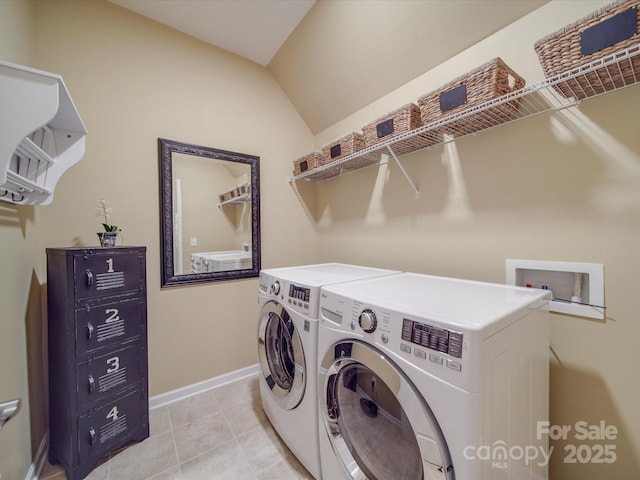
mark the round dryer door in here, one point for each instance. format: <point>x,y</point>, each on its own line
<point>379,424</point>
<point>281,355</point>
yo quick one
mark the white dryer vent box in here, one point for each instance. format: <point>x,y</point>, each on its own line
<point>576,288</point>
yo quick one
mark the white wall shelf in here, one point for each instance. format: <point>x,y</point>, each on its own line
<point>41,134</point>
<point>577,288</point>
<point>610,73</point>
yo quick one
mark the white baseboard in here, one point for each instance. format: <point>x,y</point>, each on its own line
<point>39,460</point>
<point>154,402</point>
<point>174,395</point>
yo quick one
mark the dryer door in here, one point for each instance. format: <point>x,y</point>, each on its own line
<point>379,424</point>
<point>281,355</point>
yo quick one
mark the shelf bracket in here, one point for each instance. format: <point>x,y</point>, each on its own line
<point>404,172</point>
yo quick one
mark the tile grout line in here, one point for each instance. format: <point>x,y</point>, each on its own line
<point>235,438</point>
<point>258,428</point>
<point>173,440</point>
<point>210,450</point>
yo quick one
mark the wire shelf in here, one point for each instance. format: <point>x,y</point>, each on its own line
<point>610,73</point>
<point>244,198</point>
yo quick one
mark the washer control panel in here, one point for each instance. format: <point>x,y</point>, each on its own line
<point>299,293</point>
<point>301,298</point>
<point>304,299</point>
<point>434,338</point>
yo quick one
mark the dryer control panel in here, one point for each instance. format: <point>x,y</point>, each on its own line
<point>434,338</point>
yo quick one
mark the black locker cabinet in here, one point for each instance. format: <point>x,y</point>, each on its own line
<point>98,381</point>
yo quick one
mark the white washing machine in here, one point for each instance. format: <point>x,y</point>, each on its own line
<point>424,377</point>
<point>288,303</point>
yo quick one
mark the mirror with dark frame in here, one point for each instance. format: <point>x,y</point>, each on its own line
<point>209,214</point>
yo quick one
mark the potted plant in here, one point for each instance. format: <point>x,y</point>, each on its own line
<point>108,237</point>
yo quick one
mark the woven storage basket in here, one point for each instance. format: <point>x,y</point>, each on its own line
<point>391,125</point>
<point>343,147</point>
<point>486,82</point>
<point>606,31</point>
<point>306,163</point>
<point>312,162</point>
<point>244,189</point>
<point>228,195</point>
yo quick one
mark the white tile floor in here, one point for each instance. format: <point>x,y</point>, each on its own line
<point>221,434</point>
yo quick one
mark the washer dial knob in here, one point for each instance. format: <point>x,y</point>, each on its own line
<point>367,320</point>
<point>275,287</point>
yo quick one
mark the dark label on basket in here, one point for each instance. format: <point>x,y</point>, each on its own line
<point>336,150</point>
<point>385,128</point>
<point>304,166</point>
<point>453,98</point>
<point>609,32</point>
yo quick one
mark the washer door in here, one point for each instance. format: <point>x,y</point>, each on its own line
<point>281,355</point>
<point>379,425</point>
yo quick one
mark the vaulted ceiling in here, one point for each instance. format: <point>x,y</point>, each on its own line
<point>333,57</point>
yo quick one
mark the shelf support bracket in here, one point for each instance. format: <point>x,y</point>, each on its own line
<point>404,172</point>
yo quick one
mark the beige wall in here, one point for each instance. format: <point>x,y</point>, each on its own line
<point>560,186</point>
<point>18,34</point>
<point>20,322</point>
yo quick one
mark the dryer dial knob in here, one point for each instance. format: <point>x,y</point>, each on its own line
<point>368,321</point>
<point>275,287</point>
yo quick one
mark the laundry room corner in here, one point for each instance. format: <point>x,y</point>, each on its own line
<point>559,186</point>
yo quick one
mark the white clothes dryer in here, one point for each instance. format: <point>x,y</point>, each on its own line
<point>288,303</point>
<point>425,377</point>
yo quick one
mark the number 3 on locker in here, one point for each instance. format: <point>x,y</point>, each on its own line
<point>114,364</point>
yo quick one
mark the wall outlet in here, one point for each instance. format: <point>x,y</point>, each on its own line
<point>194,242</point>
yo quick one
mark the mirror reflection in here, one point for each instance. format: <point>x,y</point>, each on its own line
<point>209,214</point>
<point>207,239</point>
